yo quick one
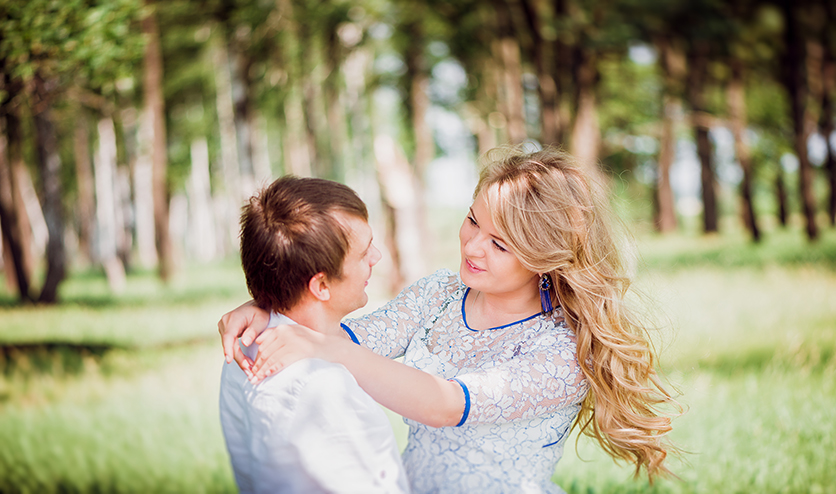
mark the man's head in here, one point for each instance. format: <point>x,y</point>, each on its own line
<point>301,232</point>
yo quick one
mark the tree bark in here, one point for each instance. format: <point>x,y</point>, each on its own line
<point>243,118</point>
<point>670,61</point>
<point>49,165</point>
<point>335,107</point>
<point>543,54</point>
<point>510,99</point>
<point>697,61</point>
<point>781,196</point>
<point>399,191</point>
<point>107,206</point>
<point>84,178</point>
<point>201,238</point>
<point>586,133</point>
<point>827,113</point>
<point>155,106</point>
<point>11,212</point>
<point>737,116</point>
<point>665,203</point>
<point>418,105</point>
<point>795,82</point>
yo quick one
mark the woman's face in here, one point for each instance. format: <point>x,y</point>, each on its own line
<point>487,264</point>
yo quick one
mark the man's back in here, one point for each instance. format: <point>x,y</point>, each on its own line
<point>307,429</point>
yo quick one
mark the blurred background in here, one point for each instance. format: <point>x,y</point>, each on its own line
<point>132,131</point>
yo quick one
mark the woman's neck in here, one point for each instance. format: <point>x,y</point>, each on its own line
<point>485,310</point>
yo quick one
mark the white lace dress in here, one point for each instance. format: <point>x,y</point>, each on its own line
<point>522,383</point>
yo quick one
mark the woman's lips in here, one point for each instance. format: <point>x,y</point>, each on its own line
<point>473,268</point>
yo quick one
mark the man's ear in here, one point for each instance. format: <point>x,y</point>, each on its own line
<point>319,287</point>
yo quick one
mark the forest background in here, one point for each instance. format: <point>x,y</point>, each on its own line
<point>131,132</point>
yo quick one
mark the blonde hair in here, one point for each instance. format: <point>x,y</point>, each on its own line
<point>555,220</point>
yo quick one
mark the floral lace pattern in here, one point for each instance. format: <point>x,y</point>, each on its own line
<point>524,382</point>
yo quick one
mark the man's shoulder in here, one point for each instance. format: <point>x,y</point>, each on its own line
<point>308,372</point>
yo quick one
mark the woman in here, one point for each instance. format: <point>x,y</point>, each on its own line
<point>500,360</point>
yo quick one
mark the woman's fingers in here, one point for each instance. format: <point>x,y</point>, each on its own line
<point>245,322</point>
<point>281,346</point>
<point>244,362</point>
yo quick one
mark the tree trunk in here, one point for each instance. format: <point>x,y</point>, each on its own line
<point>335,109</point>
<point>697,62</point>
<point>665,203</point>
<point>11,213</point>
<point>84,178</point>
<point>795,82</point>
<point>49,166</point>
<point>107,206</point>
<point>826,122</point>
<point>673,72</point>
<point>418,103</point>
<point>399,191</point>
<point>243,117</point>
<point>586,134</point>
<point>737,116</point>
<point>543,53</point>
<point>512,85</point>
<point>155,106</point>
<point>201,237</point>
<point>781,196</point>
<point>143,182</point>
<point>507,51</point>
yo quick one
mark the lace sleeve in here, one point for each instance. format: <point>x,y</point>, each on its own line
<point>540,380</point>
<point>388,330</point>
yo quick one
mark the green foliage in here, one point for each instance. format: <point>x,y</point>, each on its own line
<point>87,43</point>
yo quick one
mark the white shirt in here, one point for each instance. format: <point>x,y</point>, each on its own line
<point>308,429</point>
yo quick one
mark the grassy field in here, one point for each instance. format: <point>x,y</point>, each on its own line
<point>118,394</point>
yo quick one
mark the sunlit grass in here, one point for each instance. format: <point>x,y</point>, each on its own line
<point>127,402</point>
<point>151,429</point>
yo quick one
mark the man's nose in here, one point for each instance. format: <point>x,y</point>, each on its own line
<point>375,256</point>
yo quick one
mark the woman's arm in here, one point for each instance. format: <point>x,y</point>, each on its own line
<point>409,392</point>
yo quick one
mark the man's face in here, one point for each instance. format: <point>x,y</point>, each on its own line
<point>349,292</point>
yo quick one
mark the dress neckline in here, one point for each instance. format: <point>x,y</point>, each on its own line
<point>464,317</point>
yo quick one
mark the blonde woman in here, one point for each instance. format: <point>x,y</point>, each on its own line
<point>501,359</point>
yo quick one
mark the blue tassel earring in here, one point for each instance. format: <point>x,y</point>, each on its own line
<point>545,293</point>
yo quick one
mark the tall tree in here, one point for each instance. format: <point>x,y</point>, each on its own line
<point>155,110</point>
<point>794,78</point>
<point>737,114</point>
<point>672,65</point>
<point>12,214</point>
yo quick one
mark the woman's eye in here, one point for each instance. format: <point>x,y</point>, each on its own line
<point>499,247</point>
<point>472,221</point>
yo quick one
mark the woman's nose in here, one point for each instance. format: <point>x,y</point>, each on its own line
<point>473,246</point>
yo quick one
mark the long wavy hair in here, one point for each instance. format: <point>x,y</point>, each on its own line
<point>556,221</point>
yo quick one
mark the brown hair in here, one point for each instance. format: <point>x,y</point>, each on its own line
<point>289,234</point>
<point>556,221</point>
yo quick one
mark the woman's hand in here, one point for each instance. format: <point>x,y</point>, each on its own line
<point>245,322</point>
<point>285,344</point>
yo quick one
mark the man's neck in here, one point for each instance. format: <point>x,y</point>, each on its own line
<point>315,316</point>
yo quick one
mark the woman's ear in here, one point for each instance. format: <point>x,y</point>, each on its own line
<point>318,287</point>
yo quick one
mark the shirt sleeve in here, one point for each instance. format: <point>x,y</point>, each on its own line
<point>344,440</point>
<point>388,330</point>
<point>541,379</point>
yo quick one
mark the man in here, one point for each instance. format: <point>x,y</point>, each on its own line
<point>307,254</point>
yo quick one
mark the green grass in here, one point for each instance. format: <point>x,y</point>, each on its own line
<point>118,394</point>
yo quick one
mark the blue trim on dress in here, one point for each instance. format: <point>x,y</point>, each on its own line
<point>466,402</point>
<point>350,333</point>
<point>464,316</point>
